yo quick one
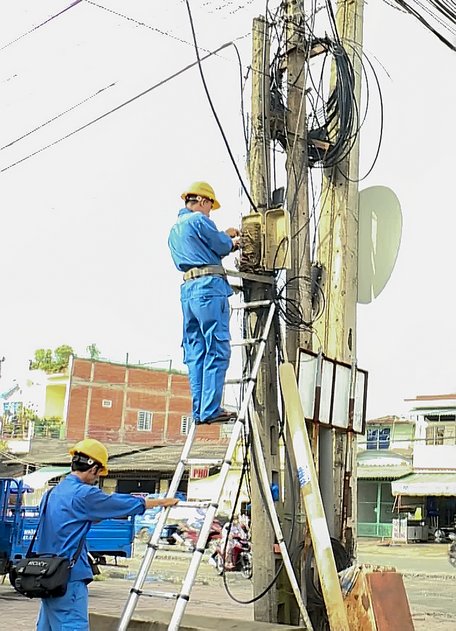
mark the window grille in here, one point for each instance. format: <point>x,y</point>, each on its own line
<point>144,421</point>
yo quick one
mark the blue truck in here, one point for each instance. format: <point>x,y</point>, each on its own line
<point>110,537</point>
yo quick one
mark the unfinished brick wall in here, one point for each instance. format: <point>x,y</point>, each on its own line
<point>116,403</point>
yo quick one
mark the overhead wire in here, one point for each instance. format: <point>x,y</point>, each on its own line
<point>214,112</point>
<point>445,9</point>
<point>38,26</point>
<point>143,24</point>
<point>54,118</point>
<point>115,109</point>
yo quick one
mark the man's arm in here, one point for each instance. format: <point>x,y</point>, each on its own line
<point>161,501</point>
<point>218,241</point>
<point>97,505</point>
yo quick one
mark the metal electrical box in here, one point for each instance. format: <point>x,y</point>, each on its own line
<point>266,240</point>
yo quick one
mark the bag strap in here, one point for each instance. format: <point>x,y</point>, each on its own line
<point>28,554</point>
<point>40,521</point>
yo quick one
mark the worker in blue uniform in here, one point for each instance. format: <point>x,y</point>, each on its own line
<point>197,248</point>
<point>72,507</point>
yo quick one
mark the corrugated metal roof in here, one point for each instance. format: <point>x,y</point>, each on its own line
<point>422,484</point>
<point>382,472</point>
<point>124,457</point>
<point>38,479</point>
<point>163,458</point>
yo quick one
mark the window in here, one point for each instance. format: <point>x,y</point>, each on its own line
<point>144,421</point>
<point>186,421</point>
<point>440,418</point>
<point>106,403</point>
<point>378,437</point>
<point>439,434</point>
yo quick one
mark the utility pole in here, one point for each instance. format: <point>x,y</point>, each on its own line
<point>298,276</point>
<point>297,196</point>
<point>338,253</point>
<point>266,608</point>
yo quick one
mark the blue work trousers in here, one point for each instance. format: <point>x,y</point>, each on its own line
<point>206,342</point>
<point>67,613</point>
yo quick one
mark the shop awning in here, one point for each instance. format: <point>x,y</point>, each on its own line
<point>382,472</point>
<point>421,484</point>
<point>39,478</point>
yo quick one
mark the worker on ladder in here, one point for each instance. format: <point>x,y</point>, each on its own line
<point>197,248</point>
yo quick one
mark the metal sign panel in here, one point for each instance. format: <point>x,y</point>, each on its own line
<point>341,398</point>
<point>332,393</point>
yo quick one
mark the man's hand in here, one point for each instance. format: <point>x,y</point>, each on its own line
<point>236,242</point>
<point>161,501</point>
<point>232,232</point>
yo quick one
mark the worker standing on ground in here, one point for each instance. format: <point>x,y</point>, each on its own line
<point>197,248</point>
<point>72,507</point>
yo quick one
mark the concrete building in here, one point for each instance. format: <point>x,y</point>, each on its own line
<point>142,415</point>
<point>384,454</point>
<point>118,403</point>
<point>407,472</point>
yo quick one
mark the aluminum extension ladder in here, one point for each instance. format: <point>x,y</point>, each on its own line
<point>211,506</point>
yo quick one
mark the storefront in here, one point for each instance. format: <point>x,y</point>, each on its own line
<point>425,502</point>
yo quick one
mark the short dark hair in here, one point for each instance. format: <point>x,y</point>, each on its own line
<point>191,199</point>
<point>81,462</point>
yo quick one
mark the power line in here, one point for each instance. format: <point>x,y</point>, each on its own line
<point>118,107</point>
<point>73,107</point>
<point>217,120</point>
<point>35,28</point>
<point>143,24</point>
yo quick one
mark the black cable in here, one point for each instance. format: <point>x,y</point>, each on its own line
<point>380,96</point>
<point>115,109</point>
<point>243,80</point>
<point>258,323</point>
<point>51,120</point>
<point>35,28</point>
<point>143,24</point>
<point>342,559</point>
<point>447,9</point>
<point>217,120</point>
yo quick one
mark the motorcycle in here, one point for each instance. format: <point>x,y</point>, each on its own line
<point>452,549</point>
<point>235,557</point>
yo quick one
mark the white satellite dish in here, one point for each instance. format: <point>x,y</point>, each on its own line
<point>379,237</point>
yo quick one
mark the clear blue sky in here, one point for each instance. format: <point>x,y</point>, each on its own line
<point>84,224</point>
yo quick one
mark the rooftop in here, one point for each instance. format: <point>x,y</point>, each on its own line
<point>122,457</point>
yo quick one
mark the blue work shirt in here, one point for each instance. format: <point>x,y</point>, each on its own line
<point>195,241</point>
<point>71,509</point>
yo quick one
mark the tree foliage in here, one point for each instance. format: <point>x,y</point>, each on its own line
<point>52,361</point>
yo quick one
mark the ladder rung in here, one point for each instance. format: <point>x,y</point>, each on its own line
<point>156,594</point>
<point>252,305</point>
<point>203,461</point>
<point>232,382</point>
<point>248,342</point>
<point>193,504</point>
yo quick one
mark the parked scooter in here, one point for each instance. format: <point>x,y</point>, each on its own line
<point>452,549</point>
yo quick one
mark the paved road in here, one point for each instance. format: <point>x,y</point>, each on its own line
<point>431,593</point>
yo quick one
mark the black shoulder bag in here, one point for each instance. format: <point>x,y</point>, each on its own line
<point>44,575</point>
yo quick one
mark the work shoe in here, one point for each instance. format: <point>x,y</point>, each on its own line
<point>224,416</point>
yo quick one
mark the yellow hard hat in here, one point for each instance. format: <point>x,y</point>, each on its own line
<point>93,449</point>
<point>205,190</point>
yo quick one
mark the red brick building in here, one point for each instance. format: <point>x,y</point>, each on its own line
<point>130,404</point>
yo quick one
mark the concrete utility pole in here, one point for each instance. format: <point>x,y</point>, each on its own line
<point>266,608</point>
<point>298,276</point>
<point>338,253</point>
<point>297,196</point>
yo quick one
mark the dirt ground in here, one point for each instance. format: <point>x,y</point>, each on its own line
<point>429,579</point>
